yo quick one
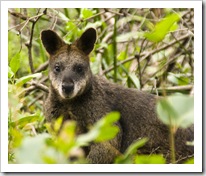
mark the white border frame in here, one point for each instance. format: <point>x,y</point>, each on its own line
<point>196,167</point>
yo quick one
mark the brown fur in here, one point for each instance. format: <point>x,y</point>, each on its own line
<point>87,98</point>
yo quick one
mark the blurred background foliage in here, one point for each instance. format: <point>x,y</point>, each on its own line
<point>148,49</point>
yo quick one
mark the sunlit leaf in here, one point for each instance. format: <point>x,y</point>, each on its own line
<point>150,159</point>
<point>15,63</point>
<point>103,130</point>
<point>25,79</point>
<point>176,110</point>
<point>133,147</point>
<point>189,161</point>
<point>26,120</point>
<point>86,13</point>
<point>162,28</point>
<point>31,149</point>
<point>10,73</point>
<point>178,79</point>
<point>127,157</point>
<point>135,80</point>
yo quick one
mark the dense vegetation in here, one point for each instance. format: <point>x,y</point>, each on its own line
<point>148,49</point>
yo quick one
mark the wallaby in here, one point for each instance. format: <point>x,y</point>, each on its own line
<point>75,93</point>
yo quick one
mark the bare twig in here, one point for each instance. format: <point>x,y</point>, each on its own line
<point>40,86</point>
<point>166,64</point>
<point>186,88</point>
<point>148,54</point>
<point>29,44</point>
<point>23,17</point>
<point>42,67</point>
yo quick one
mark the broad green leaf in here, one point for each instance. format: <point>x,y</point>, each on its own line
<point>150,159</point>
<point>54,127</point>
<point>134,146</point>
<point>15,63</point>
<point>103,130</point>
<point>25,79</point>
<point>66,138</point>
<point>31,150</point>
<point>162,28</point>
<point>122,55</point>
<point>25,120</point>
<point>189,161</point>
<point>107,133</point>
<point>178,79</point>
<point>176,111</point>
<point>127,157</point>
<point>86,13</point>
<point>10,72</point>
<point>134,79</point>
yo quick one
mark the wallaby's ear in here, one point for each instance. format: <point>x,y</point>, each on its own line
<point>87,40</point>
<point>51,41</point>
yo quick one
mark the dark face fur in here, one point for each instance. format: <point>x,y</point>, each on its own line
<point>70,71</point>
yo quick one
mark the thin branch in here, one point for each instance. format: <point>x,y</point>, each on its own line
<point>186,88</point>
<point>29,45</point>
<point>146,55</point>
<point>23,17</point>
<point>42,67</point>
<point>40,86</point>
<point>166,64</point>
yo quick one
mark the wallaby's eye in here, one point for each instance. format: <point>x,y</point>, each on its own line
<point>79,69</point>
<point>57,68</point>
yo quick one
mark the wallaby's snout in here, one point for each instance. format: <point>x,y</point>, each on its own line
<point>67,85</point>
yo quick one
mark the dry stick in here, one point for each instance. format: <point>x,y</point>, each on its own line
<point>171,89</point>
<point>42,67</point>
<point>40,86</point>
<point>139,66</point>
<point>21,16</point>
<point>29,45</point>
<point>35,100</point>
<point>167,63</point>
<point>145,56</point>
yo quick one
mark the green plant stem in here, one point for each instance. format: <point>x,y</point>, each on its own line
<point>172,145</point>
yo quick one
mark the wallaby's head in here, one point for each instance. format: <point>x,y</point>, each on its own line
<point>70,72</point>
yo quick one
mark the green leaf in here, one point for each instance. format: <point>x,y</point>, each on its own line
<point>103,130</point>
<point>134,79</point>
<point>25,120</point>
<point>15,63</point>
<point>86,13</point>
<point>189,161</point>
<point>134,146</point>
<point>10,72</point>
<point>31,150</point>
<point>122,55</point>
<point>178,79</point>
<point>176,110</point>
<point>25,79</point>
<point>150,159</point>
<point>127,158</point>
<point>162,28</point>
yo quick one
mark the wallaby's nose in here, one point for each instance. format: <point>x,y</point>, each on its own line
<point>68,87</point>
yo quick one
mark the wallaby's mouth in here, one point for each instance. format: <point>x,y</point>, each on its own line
<point>70,90</point>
